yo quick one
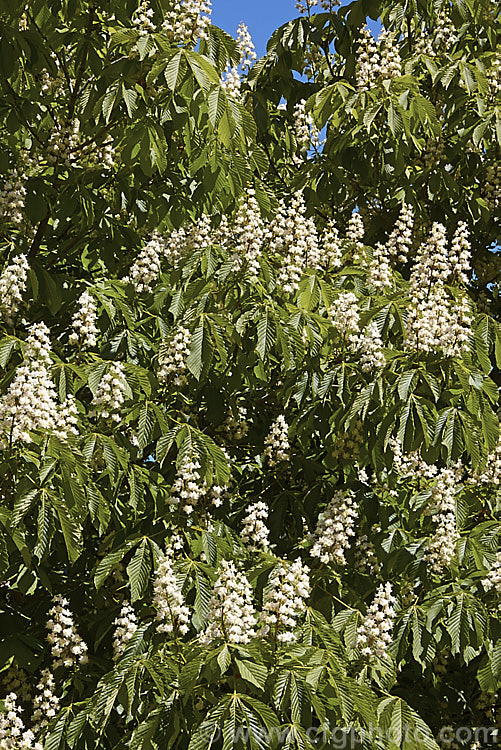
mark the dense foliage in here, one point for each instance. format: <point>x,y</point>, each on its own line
<point>250,351</point>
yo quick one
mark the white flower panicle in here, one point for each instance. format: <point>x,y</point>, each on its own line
<point>246,47</point>
<point>46,702</point>
<point>235,426</point>
<point>13,735</point>
<point>125,627</point>
<point>142,19</point>
<point>355,232</point>
<point>254,531</point>
<point>492,186</point>
<point>248,232</point>
<point>187,20</point>
<point>444,35</point>
<point>376,60</point>
<point>100,156</point>
<point>30,403</point>
<point>231,82</point>
<point>232,615</point>
<point>12,286</point>
<point>85,330</point>
<point>368,345</point>
<point>335,527</point>
<point>294,238</point>
<point>441,547</point>
<point>436,323</point>
<point>400,239</point>
<point>110,394</point>
<point>285,598</point>
<point>173,360</point>
<point>347,445</point>
<point>344,313</point>
<point>277,442</point>
<point>492,472</point>
<point>374,635</point>
<point>304,6</point>
<point>365,556</point>
<point>460,254</point>
<point>380,275</point>
<point>63,143</point>
<point>493,578</point>
<point>67,648</point>
<point>410,464</point>
<point>188,488</point>
<point>172,614</point>
<point>332,249</point>
<point>307,133</point>
<point>391,63</point>
<point>13,198</point>
<point>146,267</point>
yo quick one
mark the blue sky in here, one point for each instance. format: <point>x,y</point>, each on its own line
<point>261,16</point>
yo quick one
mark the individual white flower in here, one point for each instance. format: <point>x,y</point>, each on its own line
<point>493,578</point>
<point>172,614</point>
<point>110,394</point>
<point>277,442</point>
<point>344,313</point>
<point>335,526</point>
<point>255,532</point>
<point>85,330</point>
<point>369,346</point>
<point>67,648</point>
<point>125,627</point>
<point>46,702</point>
<point>13,735</point>
<point>284,600</point>
<point>12,285</point>
<point>374,635</point>
<point>231,615</point>
<point>187,20</point>
<point>173,357</point>
<point>188,488</point>
<point>145,269</point>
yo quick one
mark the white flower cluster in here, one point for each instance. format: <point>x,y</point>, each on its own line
<point>492,472</point>
<point>173,359</point>
<point>284,600</point>
<point>355,232</point>
<point>172,614</point>
<point>246,47</point>
<point>369,346</point>
<point>15,680</point>
<point>231,82</point>
<point>344,313</point>
<point>235,426</point>
<point>187,20</point>
<point>332,249</point>
<point>101,156</point>
<point>376,60</point>
<point>110,393</point>
<point>30,402</point>
<point>380,275</point>
<point>248,232</point>
<point>334,528</point>
<point>434,323</point>
<point>52,85</point>
<point>12,286</point>
<point>307,133</point>
<point>374,635</point>
<point>46,702</point>
<point>232,615</point>
<point>400,239</point>
<point>304,6</point>
<point>63,143</point>
<point>254,531</point>
<point>12,198</point>
<point>188,488</point>
<point>460,253</point>
<point>441,547</point>
<point>365,556</point>
<point>493,579</point>
<point>67,648</point>
<point>142,19</point>
<point>410,464</point>
<point>277,442</point>
<point>348,443</point>
<point>85,330</point>
<point>13,735</point>
<point>146,267</point>
<point>294,238</point>
<point>492,186</point>
<point>444,33</point>
<point>125,627</point>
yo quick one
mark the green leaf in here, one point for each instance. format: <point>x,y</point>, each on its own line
<point>139,569</point>
<point>256,674</point>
